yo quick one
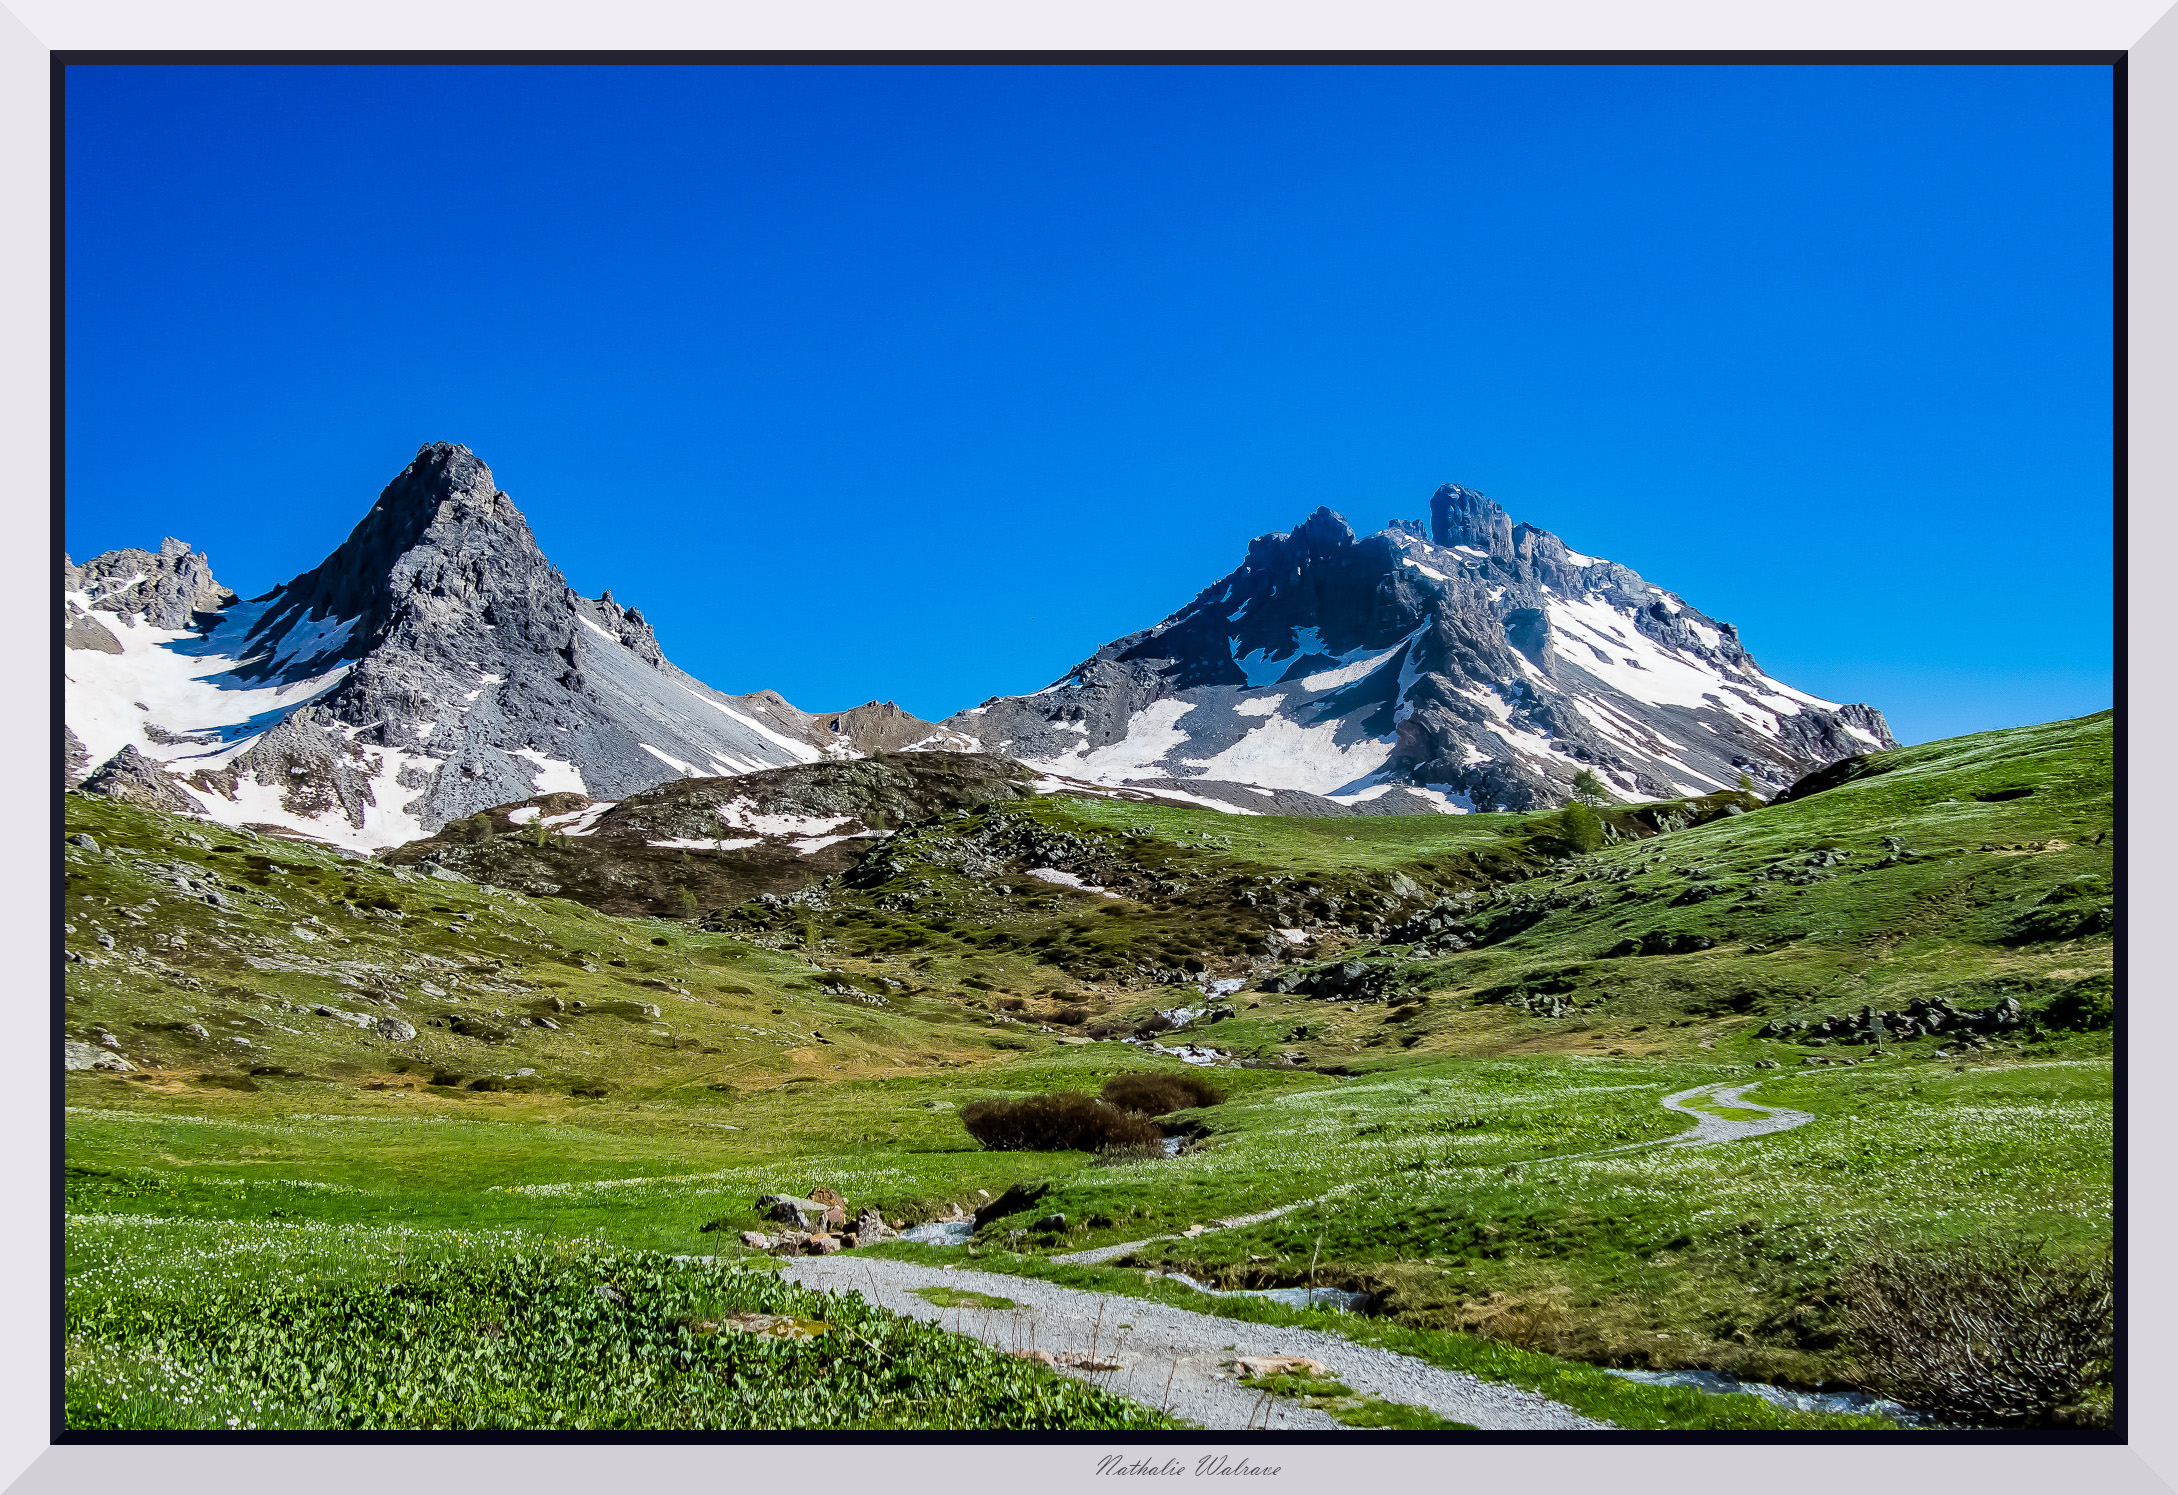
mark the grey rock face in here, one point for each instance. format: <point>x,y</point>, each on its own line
<point>1481,667</point>
<point>75,759</point>
<point>133,777</point>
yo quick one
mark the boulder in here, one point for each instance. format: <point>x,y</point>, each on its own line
<point>828,1196</point>
<point>1017,1198</point>
<point>1050,1222</point>
<point>755,1240</point>
<point>76,1055</point>
<point>394,1028</point>
<point>870,1228</point>
<point>788,1210</point>
<point>84,840</point>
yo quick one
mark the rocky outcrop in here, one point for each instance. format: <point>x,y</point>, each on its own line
<point>172,589</point>
<point>1472,664</point>
<point>137,779</point>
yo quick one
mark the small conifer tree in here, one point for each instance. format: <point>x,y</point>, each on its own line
<point>1589,790</point>
<point>1580,827</point>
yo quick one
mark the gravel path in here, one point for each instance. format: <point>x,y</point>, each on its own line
<point>1176,1359</point>
<point>1708,1128</point>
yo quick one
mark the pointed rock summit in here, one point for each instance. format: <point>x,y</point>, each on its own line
<point>1475,664</point>
<point>435,664</point>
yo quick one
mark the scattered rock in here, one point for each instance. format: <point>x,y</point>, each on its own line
<point>83,839</point>
<point>395,1029</point>
<point>1278,1365</point>
<point>611,1295</point>
<point>755,1240</point>
<point>1050,1222</point>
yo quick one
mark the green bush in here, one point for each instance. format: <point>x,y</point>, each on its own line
<point>1155,1094</point>
<point>1058,1122</point>
<point>1996,1332</point>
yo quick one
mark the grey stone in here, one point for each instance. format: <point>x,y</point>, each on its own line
<point>75,1055</point>
<point>137,778</point>
<point>395,1029</point>
<point>786,1209</point>
<point>84,840</point>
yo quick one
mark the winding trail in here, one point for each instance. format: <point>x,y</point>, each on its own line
<point>1704,1101</point>
<point>1178,1360</point>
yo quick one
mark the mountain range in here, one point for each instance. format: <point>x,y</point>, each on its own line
<point>437,664</point>
<point>1470,664</point>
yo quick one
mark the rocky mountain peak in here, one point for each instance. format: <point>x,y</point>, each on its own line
<point>1461,516</point>
<point>1480,662</point>
<point>441,547</point>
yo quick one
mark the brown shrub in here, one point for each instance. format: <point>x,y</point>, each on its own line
<point>1058,1122</point>
<point>1996,1332</point>
<point>1155,1094</point>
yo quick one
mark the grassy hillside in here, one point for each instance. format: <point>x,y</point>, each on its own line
<point>1445,1014</point>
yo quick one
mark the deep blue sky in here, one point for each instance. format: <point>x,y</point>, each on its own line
<point>923,383</point>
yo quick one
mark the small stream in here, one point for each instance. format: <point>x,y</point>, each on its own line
<point>942,1232</point>
<point>1719,1384</point>
<point>1293,1297</point>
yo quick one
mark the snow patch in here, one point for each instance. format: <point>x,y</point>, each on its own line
<point>1151,734</point>
<point>1068,880</point>
<point>1284,754</point>
<point>553,776</point>
<point>685,770</point>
